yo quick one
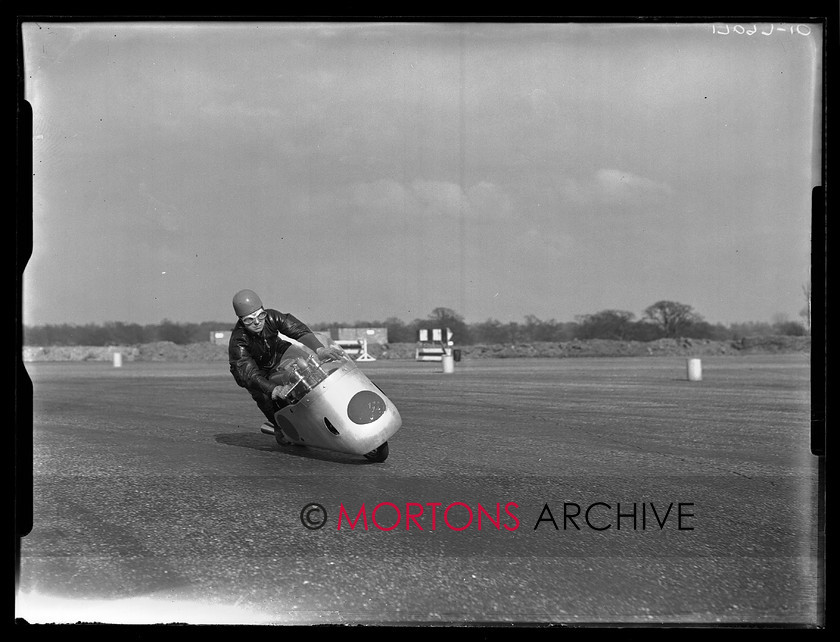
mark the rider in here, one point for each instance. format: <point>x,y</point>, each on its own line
<point>255,350</point>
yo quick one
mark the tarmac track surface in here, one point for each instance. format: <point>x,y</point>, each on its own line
<point>157,499</point>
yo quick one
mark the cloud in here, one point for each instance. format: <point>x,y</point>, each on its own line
<point>489,202</point>
<point>438,198</point>
<point>609,186</point>
<point>616,183</point>
<point>379,198</point>
<point>427,200</point>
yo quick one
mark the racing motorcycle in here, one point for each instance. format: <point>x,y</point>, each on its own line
<point>332,405</point>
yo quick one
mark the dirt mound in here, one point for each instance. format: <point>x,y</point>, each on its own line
<point>206,351</point>
<point>79,353</point>
<point>168,351</point>
<point>607,348</point>
<point>775,344</point>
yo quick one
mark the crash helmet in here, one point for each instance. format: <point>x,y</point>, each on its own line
<point>246,302</point>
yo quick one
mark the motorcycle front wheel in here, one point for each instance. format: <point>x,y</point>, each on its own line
<point>378,455</point>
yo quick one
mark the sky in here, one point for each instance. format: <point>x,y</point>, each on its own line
<point>365,171</point>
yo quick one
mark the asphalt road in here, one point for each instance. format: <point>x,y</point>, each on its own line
<point>157,499</point>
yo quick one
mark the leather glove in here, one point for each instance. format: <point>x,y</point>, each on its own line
<point>280,392</point>
<point>329,353</point>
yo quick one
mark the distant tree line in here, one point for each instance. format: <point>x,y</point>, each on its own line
<point>663,319</point>
<point>118,333</point>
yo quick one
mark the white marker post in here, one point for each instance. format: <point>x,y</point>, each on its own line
<point>695,369</point>
<point>364,356</point>
<point>118,359</point>
<point>448,361</point>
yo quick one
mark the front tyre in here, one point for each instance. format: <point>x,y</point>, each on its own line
<point>379,454</point>
<point>281,440</point>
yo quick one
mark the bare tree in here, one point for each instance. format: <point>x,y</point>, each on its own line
<point>606,324</point>
<point>448,318</point>
<point>672,317</point>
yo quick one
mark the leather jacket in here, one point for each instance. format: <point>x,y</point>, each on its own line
<point>253,356</point>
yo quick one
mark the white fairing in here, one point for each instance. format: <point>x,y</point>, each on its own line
<point>343,411</point>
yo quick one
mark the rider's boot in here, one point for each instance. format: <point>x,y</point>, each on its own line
<point>268,409</point>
